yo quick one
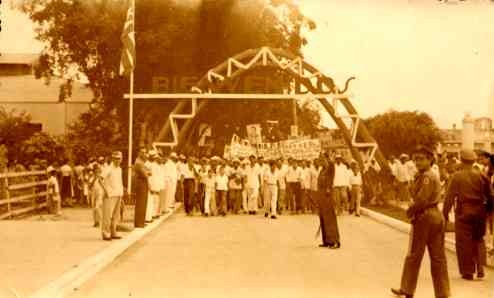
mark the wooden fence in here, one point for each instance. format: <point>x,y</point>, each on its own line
<point>22,192</point>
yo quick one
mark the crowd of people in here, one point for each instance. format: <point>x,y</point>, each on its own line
<point>216,186</point>
<point>207,186</point>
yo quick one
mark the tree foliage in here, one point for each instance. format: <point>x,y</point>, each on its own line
<point>22,143</point>
<point>172,38</point>
<point>400,132</point>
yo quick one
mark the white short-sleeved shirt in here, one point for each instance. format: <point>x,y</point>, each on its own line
<point>355,179</point>
<point>253,173</point>
<point>271,178</point>
<point>113,180</point>
<point>53,185</point>
<point>341,175</point>
<point>293,175</point>
<point>221,182</point>
<point>314,176</point>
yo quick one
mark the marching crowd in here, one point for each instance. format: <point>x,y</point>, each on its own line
<point>214,186</point>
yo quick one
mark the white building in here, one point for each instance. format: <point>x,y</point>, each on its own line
<point>21,91</point>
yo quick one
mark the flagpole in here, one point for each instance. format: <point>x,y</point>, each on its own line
<point>131,113</point>
<point>131,118</point>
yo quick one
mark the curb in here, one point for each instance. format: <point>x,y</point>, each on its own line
<point>70,280</point>
<point>401,226</point>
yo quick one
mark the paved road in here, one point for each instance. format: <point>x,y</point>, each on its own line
<point>245,256</point>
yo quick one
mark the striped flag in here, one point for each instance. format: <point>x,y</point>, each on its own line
<point>128,60</point>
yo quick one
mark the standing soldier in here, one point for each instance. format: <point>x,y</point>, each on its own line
<point>471,192</point>
<point>428,228</point>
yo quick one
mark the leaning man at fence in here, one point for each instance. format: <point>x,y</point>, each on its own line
<point>112,177</point>
<point>54,192</point>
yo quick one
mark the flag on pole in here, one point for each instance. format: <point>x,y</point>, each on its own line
<point>128,60</point>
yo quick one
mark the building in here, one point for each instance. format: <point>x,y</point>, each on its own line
<point>482,135</point>
<point>21,91</point>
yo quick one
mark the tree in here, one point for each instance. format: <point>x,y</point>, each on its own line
<point>171,37</point>
<point>41,146</point>
<point>22,141</point>
<point>400,132</point>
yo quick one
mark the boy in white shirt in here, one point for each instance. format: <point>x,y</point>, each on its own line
<point>356,189</point>
<point>209,193</point>
<point>221,190</point>
<point>55,201</point>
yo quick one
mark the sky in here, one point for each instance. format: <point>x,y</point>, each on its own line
<point>406,54</point>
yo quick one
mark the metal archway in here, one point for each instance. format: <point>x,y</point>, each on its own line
<point>314,85</point>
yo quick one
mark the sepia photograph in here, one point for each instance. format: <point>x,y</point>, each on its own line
<point>247,148</point>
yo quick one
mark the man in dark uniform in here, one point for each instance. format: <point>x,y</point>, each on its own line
<point>327,215</point>
<point>141,174</point>
<point>469,190</point>
<point>428,228</point>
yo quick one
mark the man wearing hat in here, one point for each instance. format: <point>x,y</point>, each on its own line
<point>428,228</point>
<point>469,190</point>
<point>171,178</point>
<point>113,185</point>
<point>155,184</point>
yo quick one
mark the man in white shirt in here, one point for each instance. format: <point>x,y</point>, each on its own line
<point>189,179</point>
<point>155,184</point>
<point>340,185</point>
<point>306,181</point>
<point>164,184</point>
<point>315,169</point>
<point>402,179</point>
<point>282,168</point>
<point>113,185</point>
<point>235,186</point>
<point>171,177</point>
<point>253,172</point>
<point>270,179</point>
<point>293,179</point>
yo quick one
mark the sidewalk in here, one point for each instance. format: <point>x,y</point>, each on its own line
<point>405,227</point>
<point>38,250</point>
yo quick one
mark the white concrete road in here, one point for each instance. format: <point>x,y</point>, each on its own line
<point>247,256</point>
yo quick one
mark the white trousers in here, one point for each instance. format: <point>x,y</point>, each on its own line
<point>271,198</point>
<point>150,209</point>
<point>171,189</point>
<point>244,200</point>
<point>252,199</point>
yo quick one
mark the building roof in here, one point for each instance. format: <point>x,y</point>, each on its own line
<point>26,89</point>
<point>18,58</point>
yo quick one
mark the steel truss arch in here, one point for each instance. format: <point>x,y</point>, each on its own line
<point>313,82</point>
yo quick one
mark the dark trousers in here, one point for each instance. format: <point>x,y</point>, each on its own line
<point>200,196</point>
<point>141,193</point>
<point>221,201</point>
<point>293,196</point>
<point>235,200</point>
<point>470,247</point>
<point>327,218</point>
<point>427,231</point>
<point>189,191</point>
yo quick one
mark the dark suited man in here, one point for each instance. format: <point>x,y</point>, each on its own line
<point>469,190</point>
<point>428,228</point>
<point>141,174</point>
